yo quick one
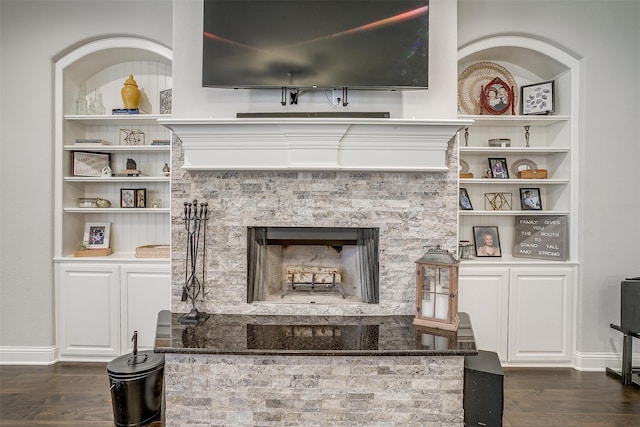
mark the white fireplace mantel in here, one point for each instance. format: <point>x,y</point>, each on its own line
<point>367,144</point>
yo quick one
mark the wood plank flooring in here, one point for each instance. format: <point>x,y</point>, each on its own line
<point>77,394</point>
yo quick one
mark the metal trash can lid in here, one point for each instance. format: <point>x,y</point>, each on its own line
<point>144,361</point>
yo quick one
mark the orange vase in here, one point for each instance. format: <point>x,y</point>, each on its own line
<point>130,93</point>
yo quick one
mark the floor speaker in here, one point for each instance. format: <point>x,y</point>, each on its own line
<point>630,305</point>
<point>483,397</point>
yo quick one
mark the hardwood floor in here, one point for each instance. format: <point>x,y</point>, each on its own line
<point>77,394</point>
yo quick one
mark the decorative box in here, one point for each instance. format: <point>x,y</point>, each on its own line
<point>466,175</point>
<point>87,202</point>
<point>533,174</point>
<point>500,142</point>
<point>153,251</point>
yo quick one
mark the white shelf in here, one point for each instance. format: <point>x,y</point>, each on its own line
<point>118,210</point>
<point>112,179</point>
<point>511,260</point>
<point>115,257</point>
<point>510,213</point>
<point>513,150</point>
<point>534,121</point>
<point>96,120</point>
<point>119,148</point>
<point>527,182</point>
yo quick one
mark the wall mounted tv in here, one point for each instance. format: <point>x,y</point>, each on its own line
<point>357,44</point>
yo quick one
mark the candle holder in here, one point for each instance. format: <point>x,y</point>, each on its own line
<point>437,290</point>
<point>195,222</point>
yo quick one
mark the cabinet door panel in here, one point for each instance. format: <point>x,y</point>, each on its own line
<point>145,291</point>
<point>88,310</point>
<point>540,315</point>
<point>482,293</point>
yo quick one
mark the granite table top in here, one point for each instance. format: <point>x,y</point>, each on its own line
<point>269,335</point>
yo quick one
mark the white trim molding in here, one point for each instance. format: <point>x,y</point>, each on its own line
<point>14,355</point>
<point>357,144</point>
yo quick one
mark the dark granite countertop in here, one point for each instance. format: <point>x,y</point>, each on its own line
<point>228,334</point>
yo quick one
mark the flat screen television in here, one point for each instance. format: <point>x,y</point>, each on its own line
<point>357,44</point>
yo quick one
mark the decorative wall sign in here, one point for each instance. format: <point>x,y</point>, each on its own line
<point>541,237</point>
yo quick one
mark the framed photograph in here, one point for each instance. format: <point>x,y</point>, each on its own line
<point>497,97</point>
<point>530,199</point>
<point>165,101</point>
<point>465,202</point>
<point>89,163</point>
<point>96,235</point>
<point>128,197</point>
<point>487,241</point>
<point>141,198</point>
<point>538,98</point>
<point>498,167</point>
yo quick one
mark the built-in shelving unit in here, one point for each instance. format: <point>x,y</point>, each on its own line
<point>522,308</point>
<point>101,300</point>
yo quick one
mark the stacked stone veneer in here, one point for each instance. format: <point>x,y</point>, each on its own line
<point>412,211</point>
<point>216,390</point>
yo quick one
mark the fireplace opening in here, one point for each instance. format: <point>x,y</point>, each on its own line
<point>333,265</point>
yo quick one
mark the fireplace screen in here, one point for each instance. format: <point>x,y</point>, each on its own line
<point>310,264</point>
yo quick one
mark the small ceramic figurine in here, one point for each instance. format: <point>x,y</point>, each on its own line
<point>103,203</point>
<point>166,169</point>
<point>106,171</point>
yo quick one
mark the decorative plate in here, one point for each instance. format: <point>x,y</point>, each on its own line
<point>474,77</point>
<point>464,166</point>
<point>522,164</point>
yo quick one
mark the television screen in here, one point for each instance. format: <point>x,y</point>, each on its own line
<point>375,44</point>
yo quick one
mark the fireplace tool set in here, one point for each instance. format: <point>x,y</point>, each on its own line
<point>195,222</point>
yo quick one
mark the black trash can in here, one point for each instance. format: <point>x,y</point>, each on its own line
<point>136,388</point>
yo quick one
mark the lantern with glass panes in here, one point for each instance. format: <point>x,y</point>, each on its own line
<point>437,290</point>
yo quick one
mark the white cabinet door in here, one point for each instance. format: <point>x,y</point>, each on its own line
<point>483,294</point>
<point>145,289</point>
<point>88,310</point>
<point>540,314</point>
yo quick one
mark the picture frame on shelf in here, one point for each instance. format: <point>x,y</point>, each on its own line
<point>141,198</point>
<point>89,164</point>
<point>487,241</point>
<point>465,201</point>
<point>97,235</point>
<point>497,97</point>
<point>498,167</point>
<point>165,101</point>
<point>128,197</point>
<point>530,199</point>
<point>538,98</point>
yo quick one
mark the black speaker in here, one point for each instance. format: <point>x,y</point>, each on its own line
<point>483,397</point>
<point>630,305</point>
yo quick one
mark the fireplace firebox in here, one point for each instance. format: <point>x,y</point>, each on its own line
<point>312,265</point>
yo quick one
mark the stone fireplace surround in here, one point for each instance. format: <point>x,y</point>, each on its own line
<point>413,207</point>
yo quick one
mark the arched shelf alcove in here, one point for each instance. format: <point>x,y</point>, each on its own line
<point>537,273</point>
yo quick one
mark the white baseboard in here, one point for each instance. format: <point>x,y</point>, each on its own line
<point>28,355</point>
<point>601,361</point>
